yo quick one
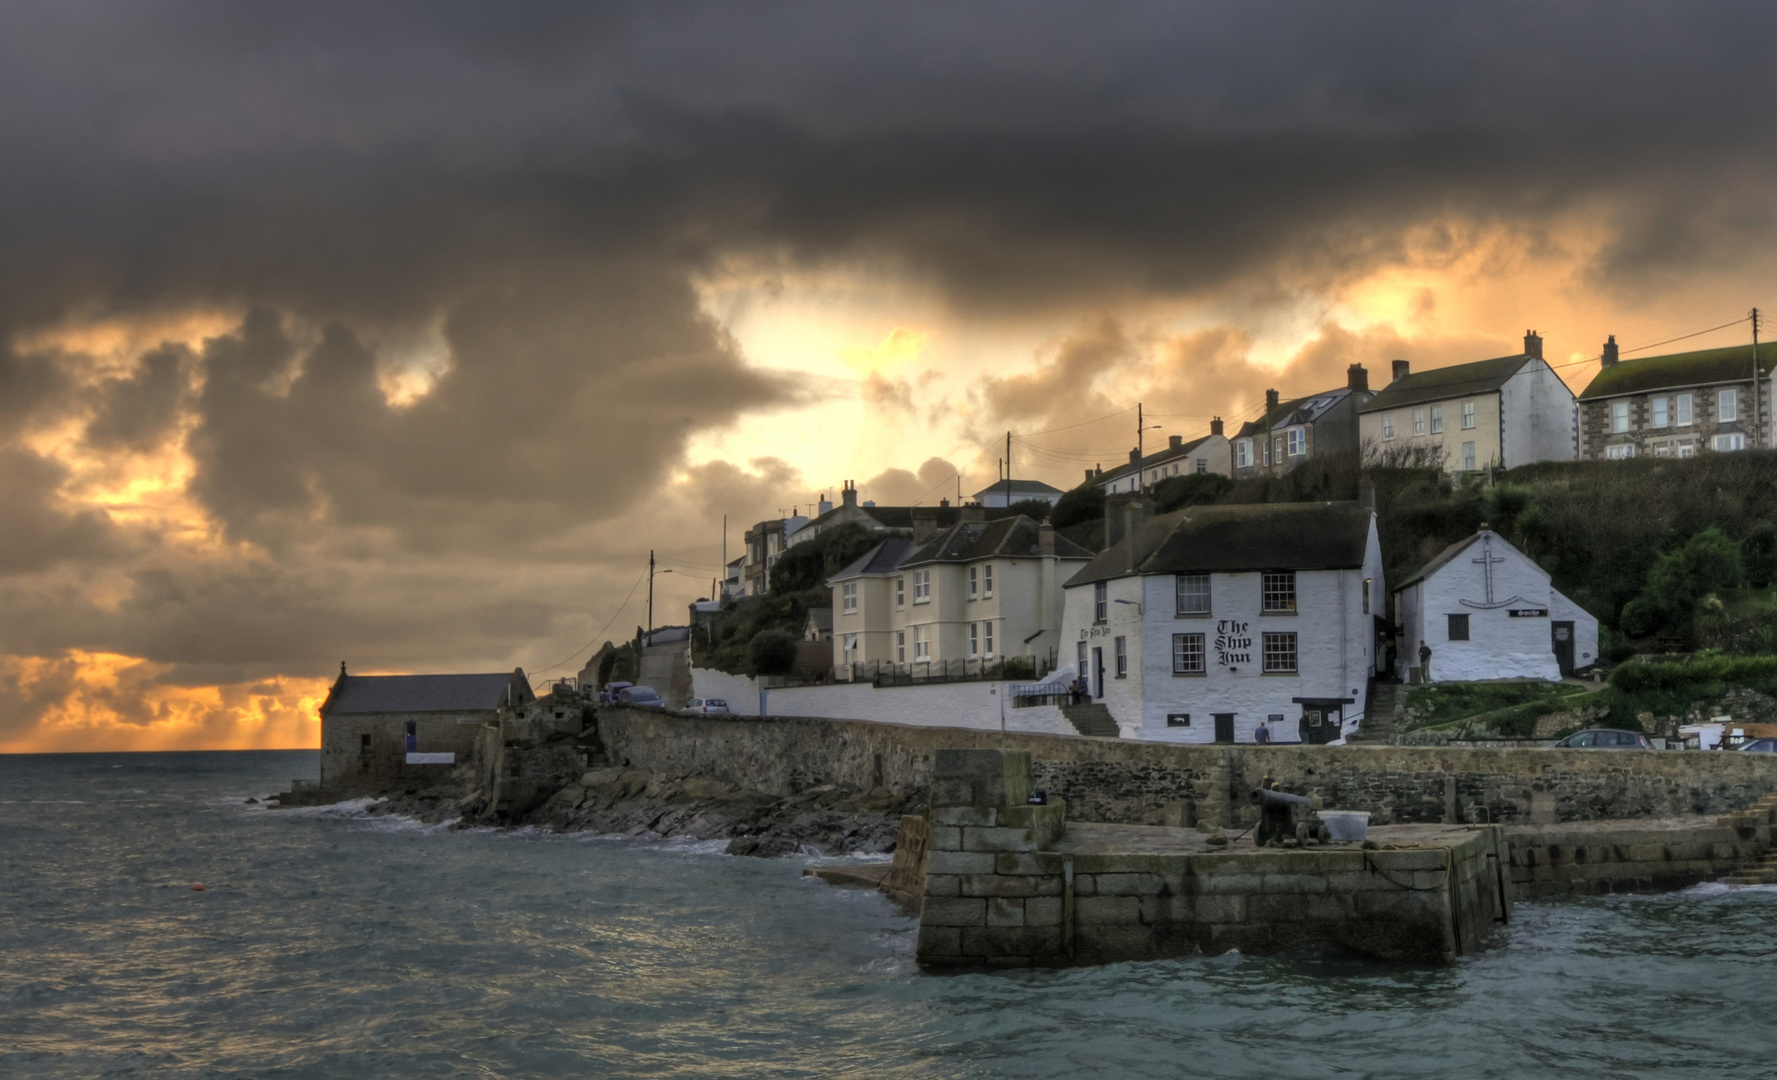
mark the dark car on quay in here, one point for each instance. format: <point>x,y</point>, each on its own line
<point>1605,739</point>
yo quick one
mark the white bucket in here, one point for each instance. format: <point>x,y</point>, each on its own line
<point>1346,824</point>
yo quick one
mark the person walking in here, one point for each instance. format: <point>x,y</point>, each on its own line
<point>1262,734</point>
<point>1424,663</point>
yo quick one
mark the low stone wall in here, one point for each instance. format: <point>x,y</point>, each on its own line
<point>1659,858</point>
<point>1115,780</point>
<point>974,705</point>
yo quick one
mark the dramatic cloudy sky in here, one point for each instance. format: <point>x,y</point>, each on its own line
<point>398,334</point>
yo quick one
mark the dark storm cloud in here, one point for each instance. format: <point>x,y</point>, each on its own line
<point>544,182</point>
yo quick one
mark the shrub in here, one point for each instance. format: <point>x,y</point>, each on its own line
<point>1680,580</point>
<point>1018,667</point>
<point>1196,489</point>
<point>804,565</point>
<point>773,652</point>
<point>1084,503</point>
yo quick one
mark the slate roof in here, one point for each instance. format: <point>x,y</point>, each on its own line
<point>417,693</point>
<point>1302,410</point>
<point>1457,380</point>
<point>1009,537</point>
<point>884,558</point>
<point>1446,556</point>
<point>889,517</point>
<point>1237,539</point>
<point>1026,488</point>
<point>1158,457</point>
<point>1679,369</point>
<point>821,618</point>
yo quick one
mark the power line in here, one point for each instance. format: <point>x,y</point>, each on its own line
<point>601,633</point>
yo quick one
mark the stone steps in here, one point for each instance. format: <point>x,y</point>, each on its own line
<point>1762,870</point>
<point>1093,720</point>
<point>1382,714</point>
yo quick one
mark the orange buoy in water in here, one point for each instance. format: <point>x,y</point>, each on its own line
<point>197,886</point>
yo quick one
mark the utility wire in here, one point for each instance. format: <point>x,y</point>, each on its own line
<point>601,633</point>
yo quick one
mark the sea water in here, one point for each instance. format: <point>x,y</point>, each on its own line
<point>332,943</point>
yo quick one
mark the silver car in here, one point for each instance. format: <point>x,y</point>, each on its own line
<point>714,706</point>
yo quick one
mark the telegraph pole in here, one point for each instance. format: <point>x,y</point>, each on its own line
<point>1008,469</point>
<point>650,597</point>
<point>1756,409</point>
<point>1140,481</point>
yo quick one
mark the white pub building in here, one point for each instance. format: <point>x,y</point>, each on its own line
<point>1199,625</point>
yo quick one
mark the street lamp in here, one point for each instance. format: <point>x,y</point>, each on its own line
<point>649,640</point>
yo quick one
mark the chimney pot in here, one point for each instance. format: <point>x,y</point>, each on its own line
<point>1174,442</point>
<point>1610,351</point>
<point>945,502</point>
<point>1215,426</point>
<point>1401,371</point>
<point>1533,344</point>
<point>1270,400</point>
<point>1356,378</point>
<point>849,496</point>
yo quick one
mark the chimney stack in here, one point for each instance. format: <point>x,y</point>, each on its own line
<point>1270,400</point>
<point>1045,539</point>
<point>1356,378</point>
<point>849,496</point>
<point>1610,351</point>
<point>1215,426</point>
<point>925,523</point>
<point>1134,456</point>
<point>826,503</point>
<point>1533,344</point>
<point>1175,442</point>
<point>1135,515</point>
<point>1400,371</point>
<point>973,514</point>
<point>1366,494</point>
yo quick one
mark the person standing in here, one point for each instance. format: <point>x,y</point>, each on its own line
<point>1424,663</point>
<point>1262,734</point>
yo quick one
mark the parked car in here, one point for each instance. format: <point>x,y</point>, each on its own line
<point>714,706</point>
<point>643,696</point>
<point>1762,746</point>
<point>1607,739</point>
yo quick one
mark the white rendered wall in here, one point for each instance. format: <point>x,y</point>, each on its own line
<point>1122,696</point>
<point>960,704</point>
<point>1541,421</point>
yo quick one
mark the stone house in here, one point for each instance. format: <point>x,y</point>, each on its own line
<point>977,592</point>
<point>1007,492</point>
<point>1197,625</point>
<point>1677,405</point>
<point>765,542</point>
<point>1489,612</point>
<point>380,732</point>
<point>1210,454</point>
<point>1505,412</point>
<point>1291,432</point>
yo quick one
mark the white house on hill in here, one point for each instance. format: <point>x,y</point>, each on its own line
<point>1488,612</point>
<point>1198,625</point>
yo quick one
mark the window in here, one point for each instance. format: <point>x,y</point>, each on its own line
<point>1202,465</point>
<point>1727,406</point>
<point>1279,591</point>
<point>974,581</point>
<point>1387,426</point>
<point>987,581</point>
<point>1686,448</point>
<point>1437,419</point>
<point>922,643</point>
<point>364,744</point>
<point>1419,421</point>
<point>851,647</point>
<point>1468,457</point>
<point>1662,415</point>
<point>1187,654</point>
<point>1617,453</point>
<point>974,640</point>
<point>1468,415</point>
<point>1458,628</point>
<point>901,592</point>
<point>1662,449</point>
<point>1681,409</point>
<point>987,639</point>
<point>1298,442</point>
<point>1243,453</point>
<point>922,586</point>
<point>1280,653</point>
<point>848,596</point>
<point>1122,649</point>
<point>1619,417</point>
<point>1099,603</point>
<point>900,646</point>
<point>1178,719</point>
<point>1368,584</point>
<point>1736,441</point>
<point>1193,594</point>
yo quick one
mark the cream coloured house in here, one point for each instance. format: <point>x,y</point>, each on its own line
<point>1505,412</point>
<point>975,593</point>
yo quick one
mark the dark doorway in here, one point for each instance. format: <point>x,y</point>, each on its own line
<point>413,739</point>
<point>1319,724</point>
<point>1562,635</point>
<point>1224,727</point>
<point>1098,673</point>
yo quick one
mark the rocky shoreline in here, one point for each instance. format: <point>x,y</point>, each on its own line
<point>828,820</point>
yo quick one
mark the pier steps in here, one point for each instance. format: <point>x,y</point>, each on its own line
<point>1763,869</point>
<point>1091,719</point>
<point>1382,714</point>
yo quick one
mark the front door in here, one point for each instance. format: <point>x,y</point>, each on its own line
<point>1562,633</point>
<point>1319,725</point>
<point>1098,673</point>
<point>1224,727</point>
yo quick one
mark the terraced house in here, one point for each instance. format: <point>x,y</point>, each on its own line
<point>949,601</point>
<point>1291,432</point>
<point>1677,405</point>
<point>1504,412</point>
<point>1209,454</point>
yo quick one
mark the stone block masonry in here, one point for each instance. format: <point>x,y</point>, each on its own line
<point>1013,885</point>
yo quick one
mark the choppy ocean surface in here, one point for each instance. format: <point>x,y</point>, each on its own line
<point>330,944</point>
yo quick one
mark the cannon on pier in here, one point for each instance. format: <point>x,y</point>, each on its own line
<point>1284,815</point>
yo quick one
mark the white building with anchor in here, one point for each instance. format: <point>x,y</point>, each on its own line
<point>1489,612</point>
